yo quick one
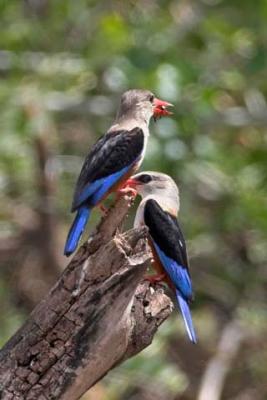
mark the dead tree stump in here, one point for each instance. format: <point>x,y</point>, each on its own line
<point>96,315</point>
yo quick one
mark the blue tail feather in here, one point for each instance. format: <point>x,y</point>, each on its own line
<point>184,307</point>
<point>76,230</point>
<point>91,194</point>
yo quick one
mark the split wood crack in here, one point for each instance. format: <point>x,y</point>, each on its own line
<point>98,314</point>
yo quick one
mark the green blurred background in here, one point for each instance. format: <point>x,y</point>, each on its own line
<point>63,66</point>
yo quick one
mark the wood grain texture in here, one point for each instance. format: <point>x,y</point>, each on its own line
<point>97,315</point>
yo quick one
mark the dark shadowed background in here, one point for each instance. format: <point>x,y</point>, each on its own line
<point>63,66</point>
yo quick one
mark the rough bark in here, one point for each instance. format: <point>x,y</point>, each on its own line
<point>97,315</point>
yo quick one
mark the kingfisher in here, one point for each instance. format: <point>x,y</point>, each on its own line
<point>158,210</point>
<point>114,157</point>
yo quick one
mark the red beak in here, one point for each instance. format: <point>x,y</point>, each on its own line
<point>131,183</point>
<point>160,108</point>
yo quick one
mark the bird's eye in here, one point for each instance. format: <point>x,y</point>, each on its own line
<point>145,178</point>
<point>151,98</point>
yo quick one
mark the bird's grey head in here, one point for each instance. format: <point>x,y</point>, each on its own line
<point>157,185</point>
<point>137,104</point>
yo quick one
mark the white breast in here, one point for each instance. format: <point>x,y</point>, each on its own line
<point>167,203</point>
<point>139,217</point>
<point>146,134</point>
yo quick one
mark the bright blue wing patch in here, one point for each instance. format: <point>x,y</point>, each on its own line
<point>178,274</point>
<point>108,182</point>
<point>94,191</point>
<point>89,190</point>
<point>180,278</point>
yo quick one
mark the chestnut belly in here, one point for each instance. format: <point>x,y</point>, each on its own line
<point>157,265</point>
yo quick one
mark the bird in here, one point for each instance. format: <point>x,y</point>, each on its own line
<point>114,157</point>
<point>158,210</point>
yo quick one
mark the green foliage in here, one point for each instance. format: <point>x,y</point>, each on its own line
<point>63,65</point>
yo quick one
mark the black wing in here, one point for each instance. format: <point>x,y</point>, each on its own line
<point>111,153</point>
<point>166,232</point>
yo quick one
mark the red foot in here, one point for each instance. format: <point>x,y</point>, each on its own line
<point>127,190</point>
<point>155,278</point>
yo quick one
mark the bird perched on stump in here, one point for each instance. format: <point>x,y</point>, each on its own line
<point>114,157</point>
<point>158,210</point>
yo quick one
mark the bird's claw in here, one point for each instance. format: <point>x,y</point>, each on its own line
<point>128,190</point>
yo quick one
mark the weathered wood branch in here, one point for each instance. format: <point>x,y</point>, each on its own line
<point>97,315</point>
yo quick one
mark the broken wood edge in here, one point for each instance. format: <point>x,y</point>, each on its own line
<point>96,316</point>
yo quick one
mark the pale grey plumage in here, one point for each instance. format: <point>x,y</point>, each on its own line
<point>161,188</point>
<point>158,211</point>
<point>136,109</point>
<point>115,154</point>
